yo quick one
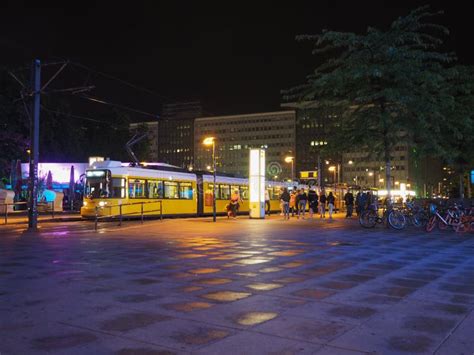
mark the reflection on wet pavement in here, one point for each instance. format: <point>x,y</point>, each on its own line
<point>213,281</point>
<point>226,296</point>
<point>189,306</point>
<point>253,318</point>
<point>213,288</point>
<point>263,286</point>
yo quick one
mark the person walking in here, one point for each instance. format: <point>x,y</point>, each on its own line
<point>297,203</point>
<point>234,205</point>
<point>349,200</point>
<point>285,201</point>
<point>293,202</point>
<point>331,203</point>
<point>302,203</point>
<point>358,202</point>
<point>322,204</point>
<point>267,202</point>
<point>313,202</point>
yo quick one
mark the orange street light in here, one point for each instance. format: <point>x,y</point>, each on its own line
<point>208,141</point>
<point>292,161</point>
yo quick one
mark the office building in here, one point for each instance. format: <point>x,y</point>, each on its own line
<point>176,131</point>
<point>236,134</point>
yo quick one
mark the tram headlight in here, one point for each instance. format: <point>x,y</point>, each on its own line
<point>84,203</point>
<point>102,203</point>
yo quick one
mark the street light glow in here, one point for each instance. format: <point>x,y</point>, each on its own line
<point>289,159</point>
<point>332,168</point>
<point>208,140</point>
<point>350,162</point>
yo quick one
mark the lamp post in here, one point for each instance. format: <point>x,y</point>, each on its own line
<point>333,169</point>
<point>292,161</point>
<point>208,142</point>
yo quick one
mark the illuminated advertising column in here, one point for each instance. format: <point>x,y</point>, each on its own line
<point>257,183</point>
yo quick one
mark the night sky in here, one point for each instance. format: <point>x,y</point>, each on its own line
<point>233,56</point>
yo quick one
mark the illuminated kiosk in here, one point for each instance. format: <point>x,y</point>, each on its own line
<point>257,183</point>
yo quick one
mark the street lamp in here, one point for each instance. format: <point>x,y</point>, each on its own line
<point>208,142</point>
<point>333,169</point>
<point>292,161</point>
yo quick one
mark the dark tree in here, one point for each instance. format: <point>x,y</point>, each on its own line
<point>392,85</point>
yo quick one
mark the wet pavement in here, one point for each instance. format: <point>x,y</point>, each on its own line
<point>235,287</point>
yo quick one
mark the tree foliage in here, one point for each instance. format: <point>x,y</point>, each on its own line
<point>394,86</point>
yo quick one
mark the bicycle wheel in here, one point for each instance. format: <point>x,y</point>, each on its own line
<point>368,219</point>
<point>441,225</point>
<point>463,226</point>
<point>431,224</point>
<point>397,219</point>
<point>420,219</point>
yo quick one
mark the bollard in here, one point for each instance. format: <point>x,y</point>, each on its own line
<point>52,209</point>
<point>120,220</point>
<point>142,212</point>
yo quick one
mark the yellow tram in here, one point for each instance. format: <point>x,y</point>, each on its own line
<point>113,188</point>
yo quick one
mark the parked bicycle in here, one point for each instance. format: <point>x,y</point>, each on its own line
<point>466,223</point>
<point>371,217</point>
<point>415,215</point>
<point>450,218</point>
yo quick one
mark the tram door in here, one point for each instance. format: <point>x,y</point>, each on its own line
<point>200,195</point>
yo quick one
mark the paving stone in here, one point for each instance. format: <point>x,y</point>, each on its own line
<point>53,343</point>
<point>129,321</point>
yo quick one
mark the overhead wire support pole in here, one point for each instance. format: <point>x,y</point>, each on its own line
<point>34,145</point>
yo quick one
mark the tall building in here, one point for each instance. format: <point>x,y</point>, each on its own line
<point>359,169</point>
<point>176,132</point>
<point>313,126</point>
<point>236,134</point>
<point>151,130</point>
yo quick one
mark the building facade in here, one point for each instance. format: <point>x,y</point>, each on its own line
<point>151,131</point>
<point>236,134</point>
<point>176,133</point>
<point>359,169</point>
<point>313,126</point>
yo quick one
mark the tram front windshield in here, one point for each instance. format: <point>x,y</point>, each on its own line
<point>98,183</point>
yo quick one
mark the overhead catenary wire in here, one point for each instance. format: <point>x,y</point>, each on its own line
<point>104,102</point>
<point>127,83</point>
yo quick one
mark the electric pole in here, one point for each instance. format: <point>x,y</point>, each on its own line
<point>34,144</point>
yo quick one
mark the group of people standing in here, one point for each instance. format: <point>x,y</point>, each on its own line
<point>295,202</point>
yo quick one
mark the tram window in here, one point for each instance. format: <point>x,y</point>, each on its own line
<point>98,183</point>
<point>224,192</point>
<point>171,189</point>
<point>155,189</point>
<point>118,188</point>
<point>136,188</point>
<point>186,190</point>
<point>244,192</point>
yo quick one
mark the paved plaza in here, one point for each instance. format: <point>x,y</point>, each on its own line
<point>235,287</point>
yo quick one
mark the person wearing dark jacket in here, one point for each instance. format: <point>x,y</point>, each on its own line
<point>285,201</point>
<point>302,203</point>
<point>322,204</point>
<point>349,200</point>
<point>331,203</point>
<point>313,202</point>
